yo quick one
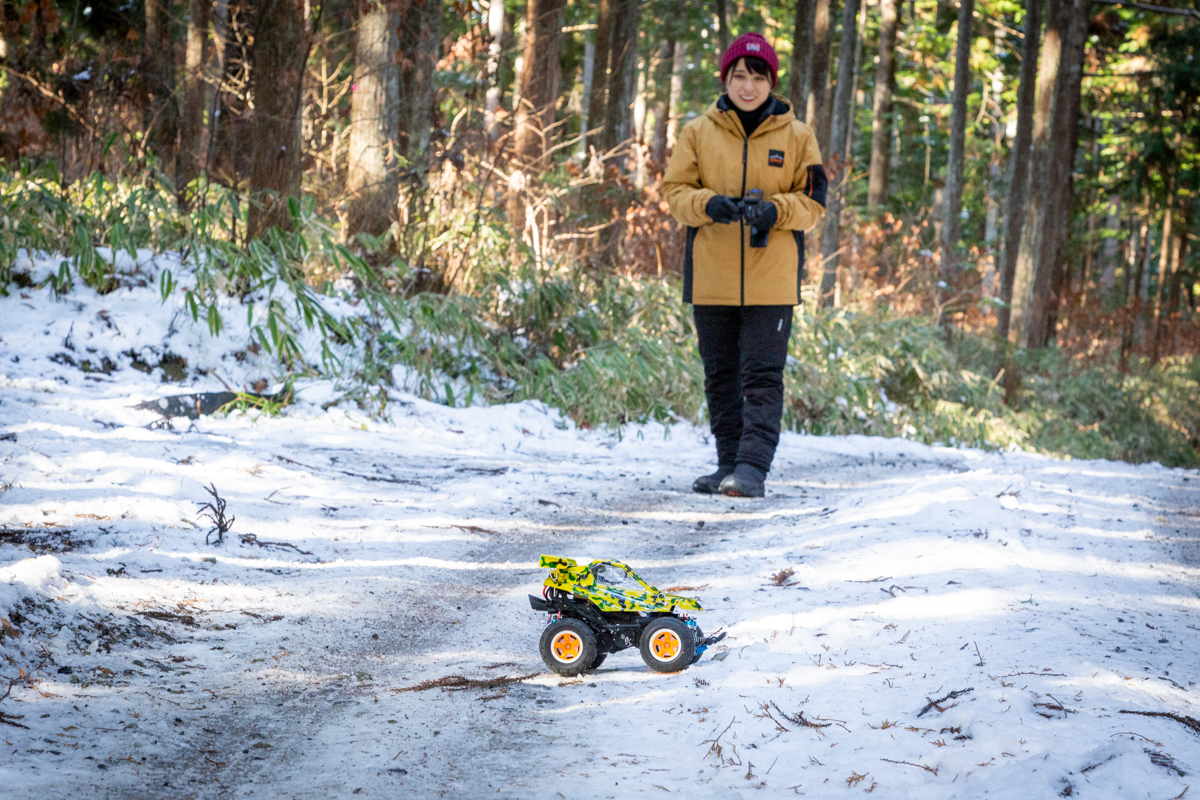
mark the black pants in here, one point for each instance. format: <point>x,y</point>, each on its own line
<point>744,349</point>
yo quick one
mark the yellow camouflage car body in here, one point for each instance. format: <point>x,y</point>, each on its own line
<point>612,586</point>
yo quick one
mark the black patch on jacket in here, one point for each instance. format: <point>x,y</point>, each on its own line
<point>687,264</point>
<point>775,158</point>
<point>817,183</point>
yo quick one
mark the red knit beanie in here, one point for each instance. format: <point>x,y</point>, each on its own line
<point>751,44</point>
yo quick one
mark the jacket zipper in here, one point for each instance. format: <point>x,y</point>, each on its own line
<point>742,223</point>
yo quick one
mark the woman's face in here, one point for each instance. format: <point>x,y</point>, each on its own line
<point>747,90</point>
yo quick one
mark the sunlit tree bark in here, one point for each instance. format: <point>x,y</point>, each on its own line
<point>191,133</point>
<point>952,221</point>
<point>800,83</point>
<point>1018,185</point>
<point>837,158</point>
<point>281,42</point>
<point>816,113</point>
<point>161,114</point>
<point>1028,309</point>
<point>881,120</point>
<point>372,177</point>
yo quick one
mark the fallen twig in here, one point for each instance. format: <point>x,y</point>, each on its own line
<point>768,715</point>
<point>168,616</point>
<point>937,703</point>
<point>1165,761</point>
<point>1061,705</point>
<point>215,511</point>
<point>714,744</point>
<point>1191,723</point>
<point>475,529</point>
<point>1042,674</point>
<point>978,653</point>
<point>1091,767</point>
<point>934,770</point>
<point>891,589</point>
<point>250,538</point>
<point>10,719</point>
<point>800,720</point>
<point>483,470</point>
<point>781,577</point>
<point>381,478</point>
<point>460,682</point>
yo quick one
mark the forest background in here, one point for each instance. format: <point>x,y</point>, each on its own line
<point>1009,259</point>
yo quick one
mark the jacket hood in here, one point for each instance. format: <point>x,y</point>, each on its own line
<point>724,114</point>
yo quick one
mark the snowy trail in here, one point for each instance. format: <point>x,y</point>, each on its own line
<point>158,666</point>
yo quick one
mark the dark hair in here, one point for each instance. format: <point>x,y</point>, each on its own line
<point>755,66</point>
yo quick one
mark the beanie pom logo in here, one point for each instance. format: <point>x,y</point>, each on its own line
<point>753,48</point>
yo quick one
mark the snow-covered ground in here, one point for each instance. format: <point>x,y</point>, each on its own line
<point>368,556</point>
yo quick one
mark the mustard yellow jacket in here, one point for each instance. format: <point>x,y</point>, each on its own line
<point>713,156</point>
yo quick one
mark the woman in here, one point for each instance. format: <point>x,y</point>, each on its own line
<point>745,259</point>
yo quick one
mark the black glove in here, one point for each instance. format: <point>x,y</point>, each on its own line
<point>723,209</point>
<point>761,216</point>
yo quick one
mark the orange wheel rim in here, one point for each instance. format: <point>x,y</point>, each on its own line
<point>665,645</point>
<point>567,647</point>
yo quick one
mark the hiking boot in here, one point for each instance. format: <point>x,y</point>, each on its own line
<point>711,484</point>
<point>744,481</point>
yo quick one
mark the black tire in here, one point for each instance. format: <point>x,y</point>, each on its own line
<point>668,645</point>
<point>568,647</point>
<point>597,661</point>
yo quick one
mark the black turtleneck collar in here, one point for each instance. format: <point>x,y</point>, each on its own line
<point>750,119</point>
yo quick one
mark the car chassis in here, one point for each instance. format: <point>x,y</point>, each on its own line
<point>604,607</point>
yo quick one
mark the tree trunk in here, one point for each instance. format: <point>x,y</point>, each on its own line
<point>1138,251</point>
<point>622,74</point>
<point>1065,143</point>
<point>677,68</point>
<point>603,60</point>
<point>881,120</point>
<point>820,101</point>
<point>1018,187</point>
<point>1164,265</point>
<point>662,97</point>
<point>1178,256</point>
<point>952,221</point>
<point>495,59</point>
<point>419,38</point>
<point>372,177</point>
<point>191,133</point>
<point>281,43</point>
<point>1096,179</point>
<point>854,98</point>
<point>219,122</point>
<point>161,114</point>
<point>1108,254</point>
<point>815,113</point>
<point>638,131</point>
<point>723,37</point>
<point>836,159</point>
<point>1032,274</point>
<point>802,57</point>
<point>991,225</point>
<point>539,81</point>
<point>589,74</point>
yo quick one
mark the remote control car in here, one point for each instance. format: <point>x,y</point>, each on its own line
<point>604,607</point>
